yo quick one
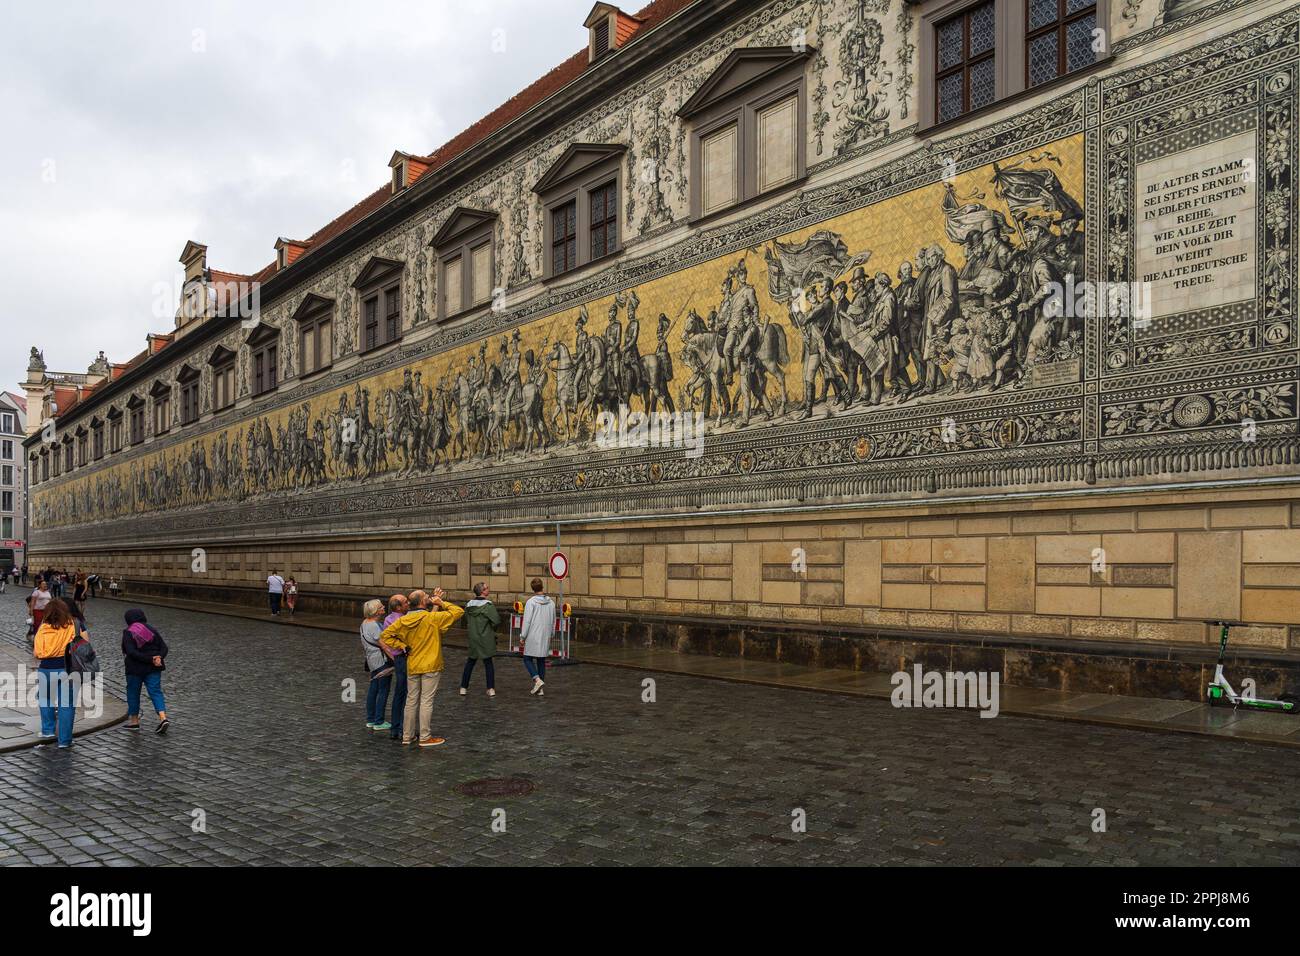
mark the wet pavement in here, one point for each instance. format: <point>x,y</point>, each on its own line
<point>268,763</point>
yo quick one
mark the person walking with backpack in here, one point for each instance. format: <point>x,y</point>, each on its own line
<point>54,687</point>
<point>378,666</point>
<point>419,633</point>
<point>145,654</point>
<point>481,620</point>
<point>536,629</point>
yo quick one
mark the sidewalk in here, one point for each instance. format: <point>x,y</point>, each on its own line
<point>1108,710</point>
<point>19,726</point>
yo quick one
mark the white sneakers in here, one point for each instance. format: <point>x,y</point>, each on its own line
<point>538,684</point>
<point>464,691</point>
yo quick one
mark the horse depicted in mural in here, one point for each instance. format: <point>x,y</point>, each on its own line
<point>703,355</point>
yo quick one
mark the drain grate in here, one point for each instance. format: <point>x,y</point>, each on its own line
<point>496,787</point>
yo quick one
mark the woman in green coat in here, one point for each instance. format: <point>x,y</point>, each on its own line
<point>482,620</point>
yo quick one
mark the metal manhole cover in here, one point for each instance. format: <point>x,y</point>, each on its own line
<point>496,787</point>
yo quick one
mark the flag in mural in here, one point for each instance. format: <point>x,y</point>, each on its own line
<point>797,265</point>
<point>960,220</point>
<point>1025,189</point>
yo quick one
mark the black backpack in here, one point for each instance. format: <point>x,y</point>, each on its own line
<point>81,657</point>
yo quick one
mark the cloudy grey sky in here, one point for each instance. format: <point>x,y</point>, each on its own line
<point>132,126</point>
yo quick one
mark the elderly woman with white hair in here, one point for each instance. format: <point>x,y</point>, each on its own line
<point>378,665</point>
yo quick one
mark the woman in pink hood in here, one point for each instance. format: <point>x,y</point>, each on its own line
<point>145,652</point>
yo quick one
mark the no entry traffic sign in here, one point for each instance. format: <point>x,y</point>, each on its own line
<point>559,565</point>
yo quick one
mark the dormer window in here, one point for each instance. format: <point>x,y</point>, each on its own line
<point>608,28</point>
<point>406,169</point>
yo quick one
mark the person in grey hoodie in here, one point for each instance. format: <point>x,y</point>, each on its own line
<point>536,630</point>
<point>481,621</point>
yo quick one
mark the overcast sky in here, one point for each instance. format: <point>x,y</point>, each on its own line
<point>131,127</point>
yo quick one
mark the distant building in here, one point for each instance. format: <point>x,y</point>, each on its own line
<point>13,481</point>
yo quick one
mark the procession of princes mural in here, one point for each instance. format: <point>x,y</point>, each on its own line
<point>976,310</point>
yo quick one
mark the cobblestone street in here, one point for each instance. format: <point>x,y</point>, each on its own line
<point>285,772</point>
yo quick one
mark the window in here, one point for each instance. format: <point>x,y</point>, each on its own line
<point>189,379</point>
<point>379,288</point>
<point>264,368</point>
<point>264,350</point>
<point>564,238</point>
<point>114,431</point>
<point>464,248</point>
<point>7,502</point>
<point>67,456</point>
<point>581,193</point>
<point>7,423</point>
<point>45,467</point>
<point>7,450</point>
<point>135,410</point>
<point>7,527</point>
<point>97,440</point>
<point>600,39</point>
<point>979,53</point>
<point>6,475</point>
<point>162,407</point>
<point>1058,38</point>
<point>372,322</point>
<point>965,62</point>
<point>223,378</point>
<point>82,448</point>
<point>748,122</point>
<point>315,319</point>
<point>604,219</point>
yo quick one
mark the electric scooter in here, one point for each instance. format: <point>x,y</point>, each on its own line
<point>1220,690</point>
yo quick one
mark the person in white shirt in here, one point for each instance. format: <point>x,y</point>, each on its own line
<point>275,585</point>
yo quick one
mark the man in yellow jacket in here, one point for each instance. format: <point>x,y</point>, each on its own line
<point>419,633</point>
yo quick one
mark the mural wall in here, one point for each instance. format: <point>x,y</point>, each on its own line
<point>934,295</point>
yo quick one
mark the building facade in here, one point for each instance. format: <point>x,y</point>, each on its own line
<point>13,481</point>
<point>962,327</point>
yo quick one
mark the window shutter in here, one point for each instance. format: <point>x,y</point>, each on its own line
<point>776,144</point>
<point>600,39</point>
<point>451,277</point>
<point>718,170</point>
<point>482,266</point>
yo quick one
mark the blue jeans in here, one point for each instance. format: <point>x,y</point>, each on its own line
<point>153,684</point>
<point>536,666</point>
<point>399,695</point>
<point>377,699</point>
<point>54,696</point>
<point>275,601</point>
